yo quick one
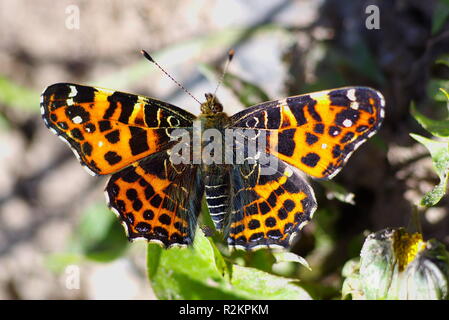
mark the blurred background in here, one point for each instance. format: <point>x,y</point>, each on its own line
<point>58,240</point>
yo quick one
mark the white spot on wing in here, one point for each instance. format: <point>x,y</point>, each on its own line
<point>77,120</point>
<point>73,91</point>
<point>347,123</point>
<point>354,105</point>
<point>323,146</point>
<point>351,95</point>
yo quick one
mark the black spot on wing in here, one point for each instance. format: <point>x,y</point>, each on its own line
<point>84,94</point>
<point>253,224</point>
<point>77,134</point>
<point>339,98</point>
<point>156,201</point>
<point>311,159</point>
<point>113,136</point>
<point>110,110</point>
<point>138,141</point>
<point>148,214</point>
<point>87,148</point>
<point>286,144</point>
<point>264,208</point>
<point>270,222</point>
<point>59,91</point>
<point>312,111</point>
<point>319,128</point>
<point>347,137</point>
<point>143,227</point>
<point>112,157</point>
<point>274,234</point>
<point>104,125</point>
<point>131,194</point>
<point>164,219</point>
<point>90,128</point>
<point>237,229</point>
<point>130,176</point>
<point>336,151</point>
<point>126,101</point>
<point>296,106</point>
<point>137,205</point>
<point>311,138</point>
<point>274,118</point>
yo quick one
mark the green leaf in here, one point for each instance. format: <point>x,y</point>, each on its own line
<point>439,128</point>
<point>337,191</point>
<point>200,272</point>
<point>286,256</point>
<point>434,89</point>
<point>439,150</point>
<point>440,15</point>
<point>17,96</point>
<point>249,94</point>
<point>188,273</point>
<point>100,236</point>
<point>251,283</point>
<point>444,59</point>
<point>261,259</point>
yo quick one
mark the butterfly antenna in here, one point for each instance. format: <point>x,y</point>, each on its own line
<point>148,57</point>
<point>225,70</point>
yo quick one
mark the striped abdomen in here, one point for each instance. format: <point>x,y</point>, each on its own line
<point>217,197</point>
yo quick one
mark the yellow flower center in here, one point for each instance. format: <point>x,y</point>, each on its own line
<point>406,246</point>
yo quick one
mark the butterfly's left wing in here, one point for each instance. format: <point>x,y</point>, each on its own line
<point>109,130</point>
<point>270,203</point>
<point>317,132</point>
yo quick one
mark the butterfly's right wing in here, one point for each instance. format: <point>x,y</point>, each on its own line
<point>270,203</point>
<point>316,132</point>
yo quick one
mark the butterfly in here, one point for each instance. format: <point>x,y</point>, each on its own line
<point>156,199</point>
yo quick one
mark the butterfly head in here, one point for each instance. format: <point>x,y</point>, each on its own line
<point>212,105</point>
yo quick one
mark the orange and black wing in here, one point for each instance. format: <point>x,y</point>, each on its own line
<point>157,200</point>
<point>317,132</point>
<point>109,130</point>
<point>270,202</point>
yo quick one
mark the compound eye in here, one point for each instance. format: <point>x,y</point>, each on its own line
<point>218,107</point>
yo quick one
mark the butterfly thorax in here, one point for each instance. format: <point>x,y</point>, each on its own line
<point>213,122</point>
